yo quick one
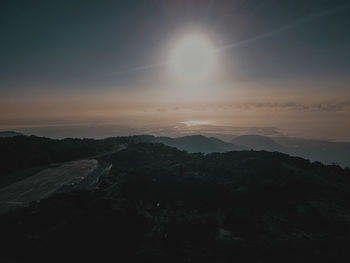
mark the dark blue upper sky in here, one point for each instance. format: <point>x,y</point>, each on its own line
<point>80,45</point>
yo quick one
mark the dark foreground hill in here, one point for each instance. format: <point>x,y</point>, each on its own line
<point>160,204</point>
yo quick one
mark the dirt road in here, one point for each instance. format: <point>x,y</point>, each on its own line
<point>45,183</point>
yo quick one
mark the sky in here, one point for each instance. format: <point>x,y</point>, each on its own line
<point>101,68</point>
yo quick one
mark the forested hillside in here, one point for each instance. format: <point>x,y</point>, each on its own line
<point>160,204</point>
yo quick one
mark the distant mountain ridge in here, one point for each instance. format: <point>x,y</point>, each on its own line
<point>7,134</point>
<point>258,142</point>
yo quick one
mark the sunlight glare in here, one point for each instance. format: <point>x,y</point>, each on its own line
<point>194,59</point>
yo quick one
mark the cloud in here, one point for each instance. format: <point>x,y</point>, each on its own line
<point>162,110</point>
<point>324,106</point>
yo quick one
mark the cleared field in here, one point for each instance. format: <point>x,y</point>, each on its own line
<point>45,183</point>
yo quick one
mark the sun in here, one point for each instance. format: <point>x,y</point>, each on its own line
<point>193,59</point>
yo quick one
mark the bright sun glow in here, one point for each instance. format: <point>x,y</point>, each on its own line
<point>194,59</point>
